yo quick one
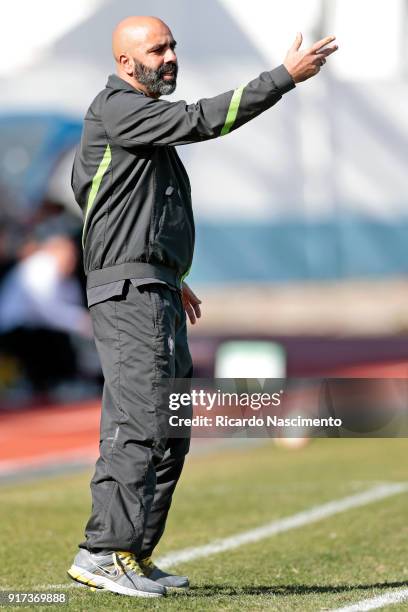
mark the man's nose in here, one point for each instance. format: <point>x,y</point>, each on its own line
<point>170,56</point>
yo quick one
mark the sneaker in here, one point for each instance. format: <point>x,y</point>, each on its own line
<point>116,571</point>
<point>170,581</point>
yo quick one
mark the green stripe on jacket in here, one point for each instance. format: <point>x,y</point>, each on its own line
<point>96,183</point>
<point>232,110</point>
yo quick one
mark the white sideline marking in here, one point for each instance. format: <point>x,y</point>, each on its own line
<point>281,525</point>
<point>291,522</point>
<point>389,598</point>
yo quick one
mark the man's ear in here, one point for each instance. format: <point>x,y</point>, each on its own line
<point>127,63</point>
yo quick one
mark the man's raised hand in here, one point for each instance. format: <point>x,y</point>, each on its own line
<point>302,65</point>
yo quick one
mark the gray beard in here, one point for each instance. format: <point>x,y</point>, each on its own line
<point>153,79</point>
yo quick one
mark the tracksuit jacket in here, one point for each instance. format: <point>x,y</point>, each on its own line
<point>131,184</point>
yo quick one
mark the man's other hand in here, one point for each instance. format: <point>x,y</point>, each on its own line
<point>191,303</point>
<point>302,65</point>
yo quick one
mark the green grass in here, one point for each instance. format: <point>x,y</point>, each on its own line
<point>351,556</point>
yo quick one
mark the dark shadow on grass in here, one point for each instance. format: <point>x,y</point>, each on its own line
<point>209,590</point>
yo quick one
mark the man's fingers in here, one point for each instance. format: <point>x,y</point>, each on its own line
<point>328,51</point>
<point>190,313</point>
<point>298,42</point>
<point>319,58</point>
<point>193,297</point>
<point>197,310</point>
<point>322,43</point>
<point>193,311</point>
<point>191,303</point>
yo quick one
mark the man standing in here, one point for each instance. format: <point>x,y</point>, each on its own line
<point>138,240</point>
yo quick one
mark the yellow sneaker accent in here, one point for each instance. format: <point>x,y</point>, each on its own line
<point>128,560</point>
<point>147,564</point>
<point>79,578</point>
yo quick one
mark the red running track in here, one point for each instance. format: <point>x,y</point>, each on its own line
<point>38,437</point>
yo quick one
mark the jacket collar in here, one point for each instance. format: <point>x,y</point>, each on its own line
<point>115,82</point>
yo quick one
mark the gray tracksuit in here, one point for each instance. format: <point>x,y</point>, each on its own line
<point>138,224</point>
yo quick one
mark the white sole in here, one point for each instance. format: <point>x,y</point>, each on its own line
<point>99,582</point>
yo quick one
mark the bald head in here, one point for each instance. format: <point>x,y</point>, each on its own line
<point>143,48</point>
<point>135,32</point>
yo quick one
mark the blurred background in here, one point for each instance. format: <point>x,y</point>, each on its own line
<point>301,214</point>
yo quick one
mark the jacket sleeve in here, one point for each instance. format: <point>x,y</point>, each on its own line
<point>131,120</point>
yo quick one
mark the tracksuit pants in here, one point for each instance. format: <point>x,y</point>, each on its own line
<point>141,338</point>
